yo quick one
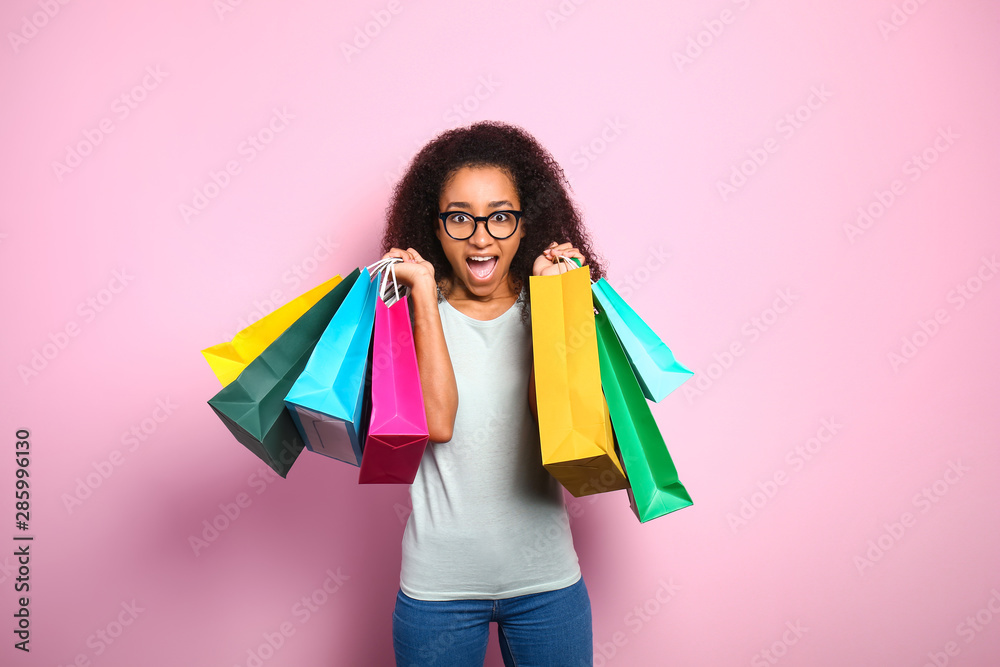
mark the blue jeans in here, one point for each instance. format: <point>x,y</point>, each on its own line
<point>547,629</point>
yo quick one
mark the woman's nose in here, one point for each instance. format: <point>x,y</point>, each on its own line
<point>480,237</point>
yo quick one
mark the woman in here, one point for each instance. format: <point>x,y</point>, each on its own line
<point>479,210</point>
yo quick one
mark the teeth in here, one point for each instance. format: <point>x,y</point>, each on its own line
<point>480,259</point>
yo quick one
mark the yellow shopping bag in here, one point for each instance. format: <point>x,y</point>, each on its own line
<point>229,359</point>
<point>574,428</point>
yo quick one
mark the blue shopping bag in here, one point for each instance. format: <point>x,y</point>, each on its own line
<point>327,400</point>
<point>654,365</point>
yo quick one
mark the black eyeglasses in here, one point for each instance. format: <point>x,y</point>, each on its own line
<point>499,224</point>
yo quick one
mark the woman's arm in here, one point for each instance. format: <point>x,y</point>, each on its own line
<point>437,377</point>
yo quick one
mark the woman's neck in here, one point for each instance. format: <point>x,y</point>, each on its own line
<point>479,307</point>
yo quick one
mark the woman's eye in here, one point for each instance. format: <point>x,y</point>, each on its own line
<point>500,217</point>
<point>459,218</point>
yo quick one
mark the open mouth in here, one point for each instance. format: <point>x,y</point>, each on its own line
<point>482,267</point>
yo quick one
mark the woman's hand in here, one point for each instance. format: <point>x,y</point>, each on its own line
<point>413,269</point>
<point>548,264</point>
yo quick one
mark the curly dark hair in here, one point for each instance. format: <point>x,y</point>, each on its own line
<point>548,212</point>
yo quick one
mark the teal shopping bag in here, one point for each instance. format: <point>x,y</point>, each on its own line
<point>327,400</point>
<point>654,487</point>
<point>252,406</point>
<point>654,365</point>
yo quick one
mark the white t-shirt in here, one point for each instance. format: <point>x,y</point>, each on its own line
<point>488,520</point>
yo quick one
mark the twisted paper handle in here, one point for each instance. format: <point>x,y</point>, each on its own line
<point>387,267</point>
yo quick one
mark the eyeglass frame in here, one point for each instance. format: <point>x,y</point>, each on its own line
<point>476,219</point>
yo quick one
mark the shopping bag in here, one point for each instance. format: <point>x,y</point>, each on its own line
<point>651,360</point>
<point>573,424</point>
<point>654,488</point>
<point>252,406</point>
<point>229,359</point>
<point>398,433</point>
<point>327,400</point>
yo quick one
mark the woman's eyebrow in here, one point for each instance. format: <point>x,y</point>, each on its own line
<point>465,204</point>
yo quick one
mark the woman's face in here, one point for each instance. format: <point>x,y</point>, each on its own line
<point>479,191</point>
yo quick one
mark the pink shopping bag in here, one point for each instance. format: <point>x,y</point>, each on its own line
<point>398,433</point>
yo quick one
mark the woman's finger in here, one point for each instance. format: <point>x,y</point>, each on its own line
<point>568,251</point>
<point>567,254</point>
<point>395,252</point>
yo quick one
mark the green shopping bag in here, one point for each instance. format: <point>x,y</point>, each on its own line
<point>655,489</point>
<point>253,405</point>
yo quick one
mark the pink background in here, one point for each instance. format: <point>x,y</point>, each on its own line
<point>837,560</point>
